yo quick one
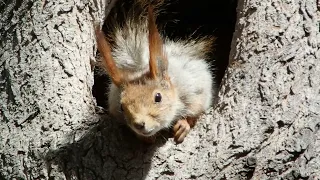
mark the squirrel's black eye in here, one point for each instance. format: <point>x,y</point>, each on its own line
<point>121,107</point>
<point>157,98</point>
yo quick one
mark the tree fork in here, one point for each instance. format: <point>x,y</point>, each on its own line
<point>265,124</point>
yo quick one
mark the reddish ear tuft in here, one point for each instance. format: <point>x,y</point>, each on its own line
<point>155,45</point>
<point>108,62</point>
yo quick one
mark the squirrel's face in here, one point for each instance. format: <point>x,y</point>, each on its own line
<point>149,107</point>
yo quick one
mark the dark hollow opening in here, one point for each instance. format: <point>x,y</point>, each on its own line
<point>182,19</point>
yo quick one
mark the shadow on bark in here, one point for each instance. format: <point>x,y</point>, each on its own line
<point>110,150</point>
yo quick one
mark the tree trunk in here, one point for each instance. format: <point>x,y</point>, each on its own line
<point>264,125</point>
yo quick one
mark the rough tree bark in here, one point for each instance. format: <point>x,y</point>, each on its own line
<point>265,124</point>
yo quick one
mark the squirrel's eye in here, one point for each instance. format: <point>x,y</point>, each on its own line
<point>158,97</point>
<point>121,107</point>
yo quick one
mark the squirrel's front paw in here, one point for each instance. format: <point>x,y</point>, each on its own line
<point>181,129</point>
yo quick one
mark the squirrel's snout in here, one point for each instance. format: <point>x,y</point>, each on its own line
<point>143,129</point>
<point>139,125</point>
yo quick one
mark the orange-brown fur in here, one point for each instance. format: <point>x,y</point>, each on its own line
<point>108,62</point>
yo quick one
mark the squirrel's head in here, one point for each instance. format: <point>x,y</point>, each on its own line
<point>149,105</point>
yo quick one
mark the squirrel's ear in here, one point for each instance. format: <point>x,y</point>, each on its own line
<point>158,62</point>
<point>108,61</point>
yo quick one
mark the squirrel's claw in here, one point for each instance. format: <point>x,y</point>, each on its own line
<point>181,129</point>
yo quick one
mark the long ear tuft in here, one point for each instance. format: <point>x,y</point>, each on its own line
<point>155,47</point>
<point>108,62</point>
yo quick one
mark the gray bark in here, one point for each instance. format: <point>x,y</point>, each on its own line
<point>45,83</point>
<point>265,124</point>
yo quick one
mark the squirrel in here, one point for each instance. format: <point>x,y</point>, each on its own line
<point>157,83</point>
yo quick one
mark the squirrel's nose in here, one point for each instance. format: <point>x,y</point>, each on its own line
<point>139,125</point>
